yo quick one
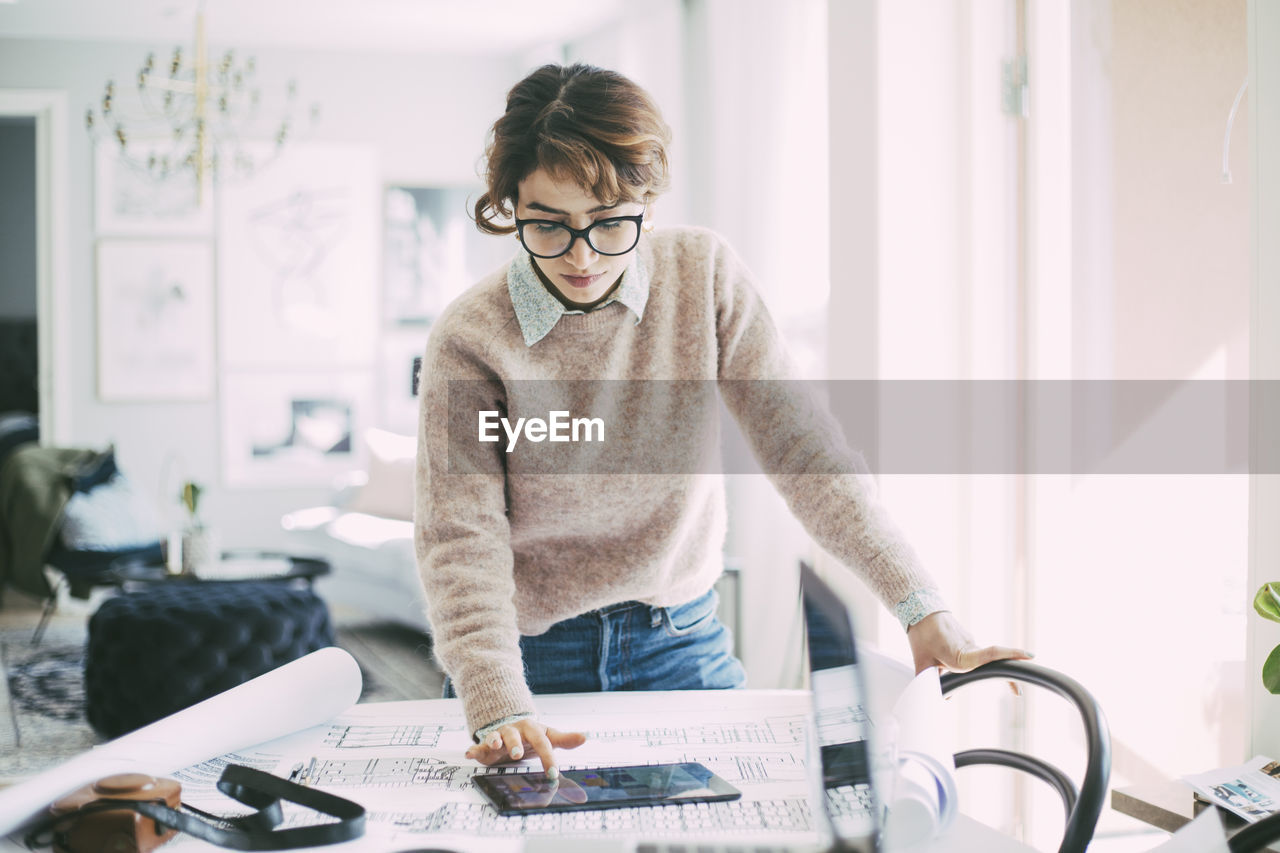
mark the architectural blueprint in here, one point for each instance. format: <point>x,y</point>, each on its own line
<point>404,762</point>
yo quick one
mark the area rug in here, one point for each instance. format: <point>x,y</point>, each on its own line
<point>42,720</point>
<point>41,702</point>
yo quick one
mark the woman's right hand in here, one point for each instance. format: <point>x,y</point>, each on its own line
<point>513,741</point>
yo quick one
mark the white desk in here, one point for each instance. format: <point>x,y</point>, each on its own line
<point>970,836</point>
<point>403,761</point>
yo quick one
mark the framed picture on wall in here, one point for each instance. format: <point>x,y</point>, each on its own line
<point>431,251</point>
<point>286,429</point>
<point>298,262</point>
<point>129,200</point>
<point>400,353</point>
<point>155,320</point>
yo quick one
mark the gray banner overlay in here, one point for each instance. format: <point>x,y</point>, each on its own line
<point>1073,427</point>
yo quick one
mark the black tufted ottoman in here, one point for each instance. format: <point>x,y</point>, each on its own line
<point>171,645</point>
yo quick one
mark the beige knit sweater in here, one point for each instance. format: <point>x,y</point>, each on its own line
<point>508,545</point>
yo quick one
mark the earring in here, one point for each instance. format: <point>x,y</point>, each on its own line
<point>647,227</point>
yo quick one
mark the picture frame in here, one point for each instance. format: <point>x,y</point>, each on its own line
<point>400,351</point>
<point>154,320</point>
<point>298,262</point>
<point>127,201</point>
<point>432,251</point>
<point>284,429</point>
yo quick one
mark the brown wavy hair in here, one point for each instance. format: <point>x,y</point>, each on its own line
<point>580,123</point>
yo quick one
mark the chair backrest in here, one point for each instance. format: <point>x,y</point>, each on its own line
<point>1084,805</point>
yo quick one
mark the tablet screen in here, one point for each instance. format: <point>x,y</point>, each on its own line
<point>604,787</point>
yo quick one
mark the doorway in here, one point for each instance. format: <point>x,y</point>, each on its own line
<point>43,114</point>
<point>19,383</point>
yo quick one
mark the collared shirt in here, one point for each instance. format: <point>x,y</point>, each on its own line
<point>537,311</point>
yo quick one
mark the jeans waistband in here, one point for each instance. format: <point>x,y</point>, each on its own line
<point>653,612</point>
<point>620,607</point>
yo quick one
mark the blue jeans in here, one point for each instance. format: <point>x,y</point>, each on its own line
<point>633,646</point>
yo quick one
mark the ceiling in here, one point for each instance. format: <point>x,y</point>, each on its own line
<point>450,26</point>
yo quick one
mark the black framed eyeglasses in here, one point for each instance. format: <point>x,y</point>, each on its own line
<point>616,235</point>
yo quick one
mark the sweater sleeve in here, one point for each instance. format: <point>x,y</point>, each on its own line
<point>802,449</point>
<point>462,537</point>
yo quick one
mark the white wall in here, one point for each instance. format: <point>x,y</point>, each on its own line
<point>1180,235</point>
<point>426,117</point>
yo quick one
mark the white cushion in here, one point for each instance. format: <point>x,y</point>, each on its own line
<point>112,516</point>
<point>389,490</point>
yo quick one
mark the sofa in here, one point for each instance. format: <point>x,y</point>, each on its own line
<point>366,534</point>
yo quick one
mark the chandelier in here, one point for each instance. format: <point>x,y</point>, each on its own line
<point>197,119</point>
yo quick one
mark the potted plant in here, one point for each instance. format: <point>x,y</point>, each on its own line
<point>1267,604</point>
<point>198,544</point>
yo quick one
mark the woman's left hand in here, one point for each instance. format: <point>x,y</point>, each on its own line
<point>940,640</point>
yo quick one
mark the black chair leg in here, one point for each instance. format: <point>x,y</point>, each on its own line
<point>50,605</point>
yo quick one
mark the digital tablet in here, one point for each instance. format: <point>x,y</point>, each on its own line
<point>604,788</point>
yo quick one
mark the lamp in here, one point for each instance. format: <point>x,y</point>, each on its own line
<point>195,118</point>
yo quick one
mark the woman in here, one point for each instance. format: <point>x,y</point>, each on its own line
<point>587,573</point>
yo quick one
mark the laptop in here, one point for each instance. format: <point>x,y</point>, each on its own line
<point>850,818</point>
<point>843,733</point>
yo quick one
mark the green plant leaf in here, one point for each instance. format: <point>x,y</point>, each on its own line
<point>1271,671</point>
<point>190,496</point>
<point>1267,602</point>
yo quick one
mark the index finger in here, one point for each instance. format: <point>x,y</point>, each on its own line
<point>570,791</point>
<point>565,740</point>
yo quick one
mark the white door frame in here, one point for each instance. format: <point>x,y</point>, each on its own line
<point>49,109</point>
<point>1264,360</point>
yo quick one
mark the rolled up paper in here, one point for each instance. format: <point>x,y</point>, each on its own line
<point>307,692</point>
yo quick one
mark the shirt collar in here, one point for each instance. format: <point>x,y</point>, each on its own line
<point>537,311</point>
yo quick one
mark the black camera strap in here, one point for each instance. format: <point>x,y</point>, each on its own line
<point>257,831</point>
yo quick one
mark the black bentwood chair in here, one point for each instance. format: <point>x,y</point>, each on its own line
<point>1083,804</point>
